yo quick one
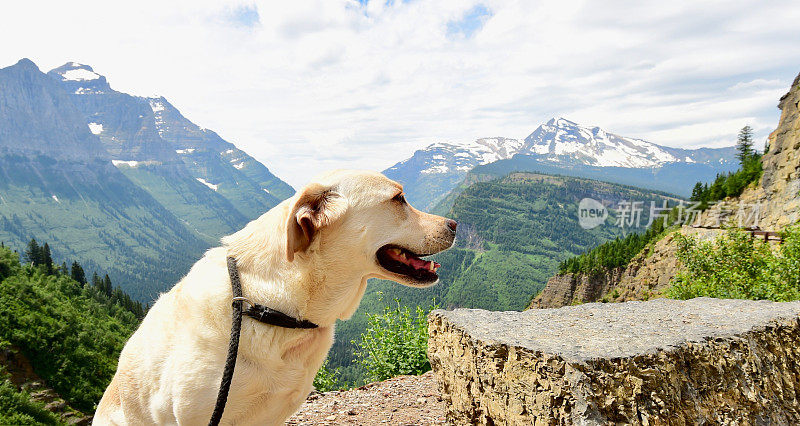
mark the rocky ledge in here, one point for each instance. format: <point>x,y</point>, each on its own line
<point>658,362</point>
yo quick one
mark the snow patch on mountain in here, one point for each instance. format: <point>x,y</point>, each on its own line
<point>207,183</point>
<point>157,105</point>
<point>132,163</point>
<point>96,128</point>
<point>88,91</point>
<point>79,74</point>
<point>125,163</point>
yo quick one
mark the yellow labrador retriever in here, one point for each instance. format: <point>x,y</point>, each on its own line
<point>309,257</point>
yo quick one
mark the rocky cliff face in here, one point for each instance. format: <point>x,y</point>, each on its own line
<point>701,361</point>
<point>574,289</point>
<point>647,276</point>
<point>777,194</point>
<point>779,189</point>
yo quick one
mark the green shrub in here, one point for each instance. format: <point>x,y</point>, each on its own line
<point>327,379</point>
<point>738,267</point>
<point>395,343</point>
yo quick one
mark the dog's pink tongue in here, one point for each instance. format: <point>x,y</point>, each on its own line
<point>424,264</point>
<point>418,263</point>
<point>414,262</point>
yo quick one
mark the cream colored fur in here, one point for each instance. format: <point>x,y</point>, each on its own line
<point>309,257</point>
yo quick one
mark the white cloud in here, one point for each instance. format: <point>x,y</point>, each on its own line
<point>306,86</point>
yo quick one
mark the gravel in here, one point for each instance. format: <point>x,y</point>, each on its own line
<point>404,400</point>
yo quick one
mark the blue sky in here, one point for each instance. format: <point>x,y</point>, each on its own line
<point>470,22</point>
<point>320,84</point>
<point>244,15</point>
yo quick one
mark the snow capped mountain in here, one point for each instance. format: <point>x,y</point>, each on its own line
<point>435,170</point>
<point>442,157</point>
<point>150,131</point>
<point>563,141</point>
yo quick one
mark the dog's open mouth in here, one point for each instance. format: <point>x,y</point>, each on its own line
<point>404,262</point>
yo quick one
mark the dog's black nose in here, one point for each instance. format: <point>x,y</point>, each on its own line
<point>452,224</point>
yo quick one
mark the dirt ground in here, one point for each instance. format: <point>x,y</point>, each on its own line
<point>404,400</point>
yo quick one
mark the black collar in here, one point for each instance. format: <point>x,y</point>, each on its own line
<point>258,312</point>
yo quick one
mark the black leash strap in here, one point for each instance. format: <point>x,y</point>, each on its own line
<point>233,346</point>
<point>258,312</point>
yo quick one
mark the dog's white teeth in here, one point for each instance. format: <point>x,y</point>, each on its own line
<point>431,266</point>
<point>395,251</point>
<point>403,256</point>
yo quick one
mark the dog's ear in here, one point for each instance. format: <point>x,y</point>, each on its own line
<point>317,207</point>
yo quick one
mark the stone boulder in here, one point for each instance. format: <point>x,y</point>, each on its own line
<point>701,361</point>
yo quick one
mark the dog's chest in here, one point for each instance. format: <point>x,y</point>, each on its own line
<point>279,380</point>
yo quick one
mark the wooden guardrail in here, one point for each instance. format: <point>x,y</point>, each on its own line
<point>754,232</point>
<point>768,235</point>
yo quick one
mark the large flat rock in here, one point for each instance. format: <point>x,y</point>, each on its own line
<point>657,362</point>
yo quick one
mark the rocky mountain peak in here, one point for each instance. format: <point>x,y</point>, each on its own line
<point>37,117</point>
<point>80,79</point>
<point>565,141</point>
<point>26,63</point>
<point>561,122</point>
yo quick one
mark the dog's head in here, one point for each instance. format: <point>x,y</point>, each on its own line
<point>360,219</point>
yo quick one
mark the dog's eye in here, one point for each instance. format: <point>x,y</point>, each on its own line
<point>400,198</point>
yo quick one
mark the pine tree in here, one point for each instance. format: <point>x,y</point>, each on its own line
<point>47,259</point>
<point>97,282</point>
<point>77,273</point>
<point>697,192</point>
<point>33,253</point>
<point>744,145</point>
<point>107,287</point>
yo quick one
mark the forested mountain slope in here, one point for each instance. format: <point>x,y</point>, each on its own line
<point>68,332</point>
